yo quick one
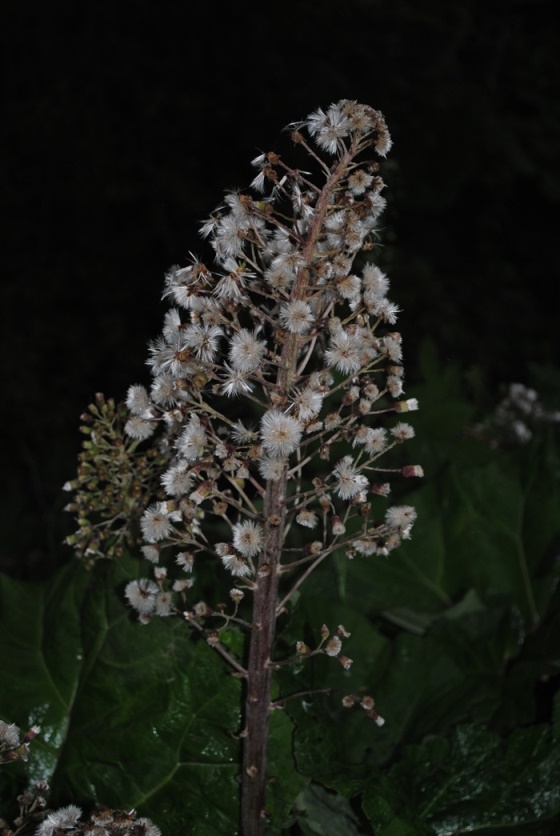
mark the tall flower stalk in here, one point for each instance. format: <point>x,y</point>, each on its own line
<point>276,382</point>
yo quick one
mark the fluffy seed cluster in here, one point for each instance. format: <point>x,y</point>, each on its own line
<point>33,816</point>
<point>68,820</point>
<point>515,418</point>
<point>271,359</point>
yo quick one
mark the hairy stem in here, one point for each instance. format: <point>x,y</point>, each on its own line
<point>259,672</point>
<point>257,707</point>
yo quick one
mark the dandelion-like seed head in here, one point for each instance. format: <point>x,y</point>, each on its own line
<point>141,594</point>
<point>344,352</point>
<point>272,468</point>
<point>193,440</point>
<point>246,351</point>
<point>238,567</point>
<point>137,399</point>
<point>248,538</point>
<point>296,316</point>
<point>307,518</point>
<point>402,431</point>
<point>401,517</point>
<point>348,480</point>
<point>280,433</point>
<point>156,523</point>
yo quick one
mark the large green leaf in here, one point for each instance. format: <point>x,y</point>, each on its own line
<point>41,656</point>
<point>285,783</point>
<point>491,526</point>
<point>132,716</point>
<point>472,781</point>
<point>323,813</point>
<point>468,666</point>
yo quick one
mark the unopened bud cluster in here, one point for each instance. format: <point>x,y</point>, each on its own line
<point>114,484</point>
<point>279,364</point>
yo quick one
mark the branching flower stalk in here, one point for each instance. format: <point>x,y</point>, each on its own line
<point>276,383</point>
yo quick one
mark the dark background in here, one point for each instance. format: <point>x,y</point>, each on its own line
<point>123,123</point>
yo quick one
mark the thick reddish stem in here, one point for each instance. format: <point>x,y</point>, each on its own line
<point>265,595</point>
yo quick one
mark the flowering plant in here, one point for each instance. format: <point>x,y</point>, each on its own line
<point>240,480</point>
<point>272,382</point>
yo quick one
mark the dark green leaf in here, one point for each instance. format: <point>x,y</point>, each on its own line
<point>133,716</point>
<point>285,782</point>
<point>474,780</point>
<point>324,813</point>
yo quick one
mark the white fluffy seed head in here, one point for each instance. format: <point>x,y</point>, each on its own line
<point>400,516</point>
<point>272,468</point>
<point>245,351</point>
<point>296,316</point>
<point>137,399</point>
<point>248,538</point>
<point>155,523</point>
<point>139,428</point>
<point>349,480</point>
<point>280,433</point>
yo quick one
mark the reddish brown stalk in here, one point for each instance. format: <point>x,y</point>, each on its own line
<point>265,596</point>
<point>257,708</point>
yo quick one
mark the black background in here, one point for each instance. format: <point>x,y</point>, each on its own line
<point>124,122</point>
